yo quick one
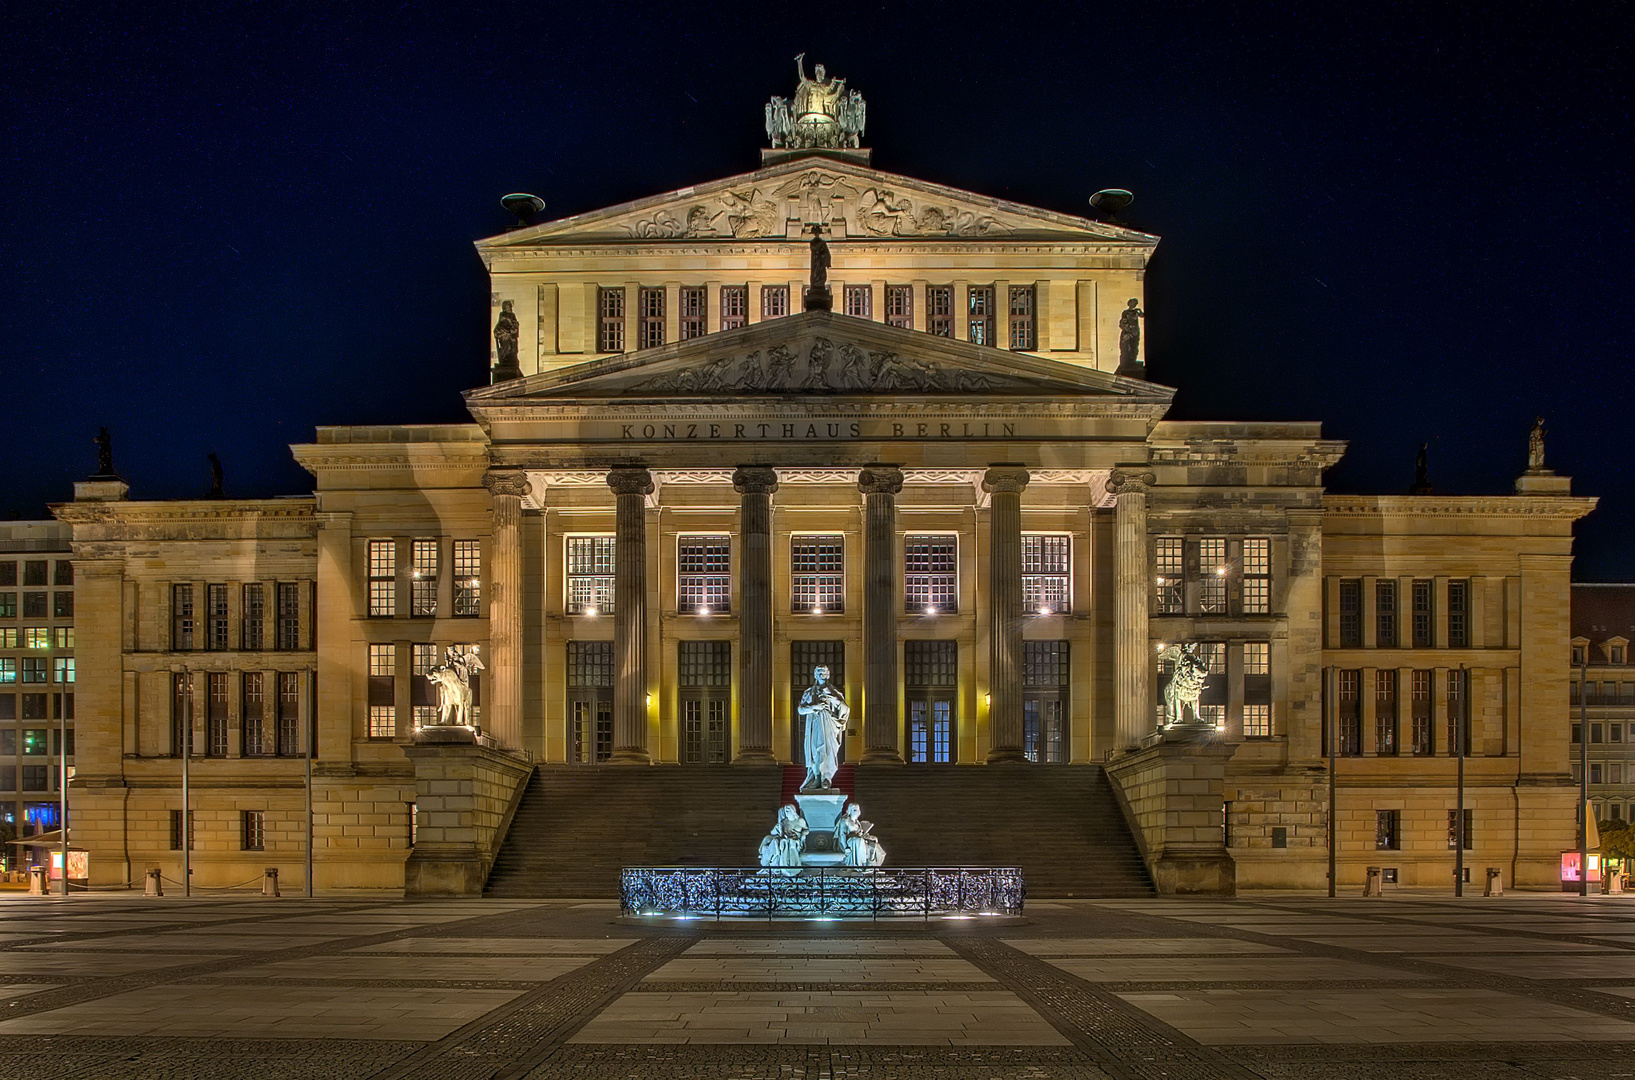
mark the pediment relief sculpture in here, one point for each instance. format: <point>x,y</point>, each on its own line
<point>823,368</point>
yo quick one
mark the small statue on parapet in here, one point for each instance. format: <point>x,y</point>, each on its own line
<point>453,681</point>
<point>1186,682</point>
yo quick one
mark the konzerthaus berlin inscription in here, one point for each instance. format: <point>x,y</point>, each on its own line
<point>818,415</point>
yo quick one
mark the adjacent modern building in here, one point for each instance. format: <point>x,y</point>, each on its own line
<point>702,470</point>
<point>1603,691</point>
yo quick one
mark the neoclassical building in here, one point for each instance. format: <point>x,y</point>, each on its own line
<point>948,480</point>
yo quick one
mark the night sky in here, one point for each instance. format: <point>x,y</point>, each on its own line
<point>220,229</point>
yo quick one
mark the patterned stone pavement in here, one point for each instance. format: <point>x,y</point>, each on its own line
<point>1407,988</point>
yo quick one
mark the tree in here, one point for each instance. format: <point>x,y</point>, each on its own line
<point>1618,841</point>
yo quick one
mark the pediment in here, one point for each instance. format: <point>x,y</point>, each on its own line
<point>853,200</point>
<point>819,354</point>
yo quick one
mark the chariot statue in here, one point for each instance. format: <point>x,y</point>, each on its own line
<point>1186,682</point>
<point>823,707</point>
<point>822,115</point>
<point>452,678</point>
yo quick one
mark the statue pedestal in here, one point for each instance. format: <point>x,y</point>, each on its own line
<point>821,810</point>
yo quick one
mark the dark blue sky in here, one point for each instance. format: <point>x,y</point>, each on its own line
<point>220,229</point>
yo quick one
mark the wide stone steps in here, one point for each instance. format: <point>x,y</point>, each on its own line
<point>577,826</point>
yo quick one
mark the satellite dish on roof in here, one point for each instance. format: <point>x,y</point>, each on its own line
<point>523,205</point>
<point>1109,201</point>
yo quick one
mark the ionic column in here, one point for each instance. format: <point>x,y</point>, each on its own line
<point>503,712</point>
<point>1133,657</point>
<point>1004,484</point>
<point>631,486</point>
<point>755,487</point>
<point>880,485</point>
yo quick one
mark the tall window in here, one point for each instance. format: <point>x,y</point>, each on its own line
<point>705,685</point>
<point>1350,691</point>
<point>900,306</point>
<point>1257,689</point>
<point>1046,579</point>
<point>1212,575</point>
<point>184,624</point>
<point>590,701</point>
<point>939,310</point>
<point>255,617</point>
<point>382,577</point>
<point>1459,614</point>
<point>1467,832</point>
<point>289,615</point>
<point>176,830</point>
<point>215,613</point>
<point>979,314</point>
<point>1044,700</point>
<point>1385,711</point>
<point>817,574</point>
<point>1024,329</point>
<point>1424,626</point>
<point>1387,830</point>
<point>289,713</point>
<point>610,313</point>
<point>930,676</point>
<point>1169,565</point>
<point>1257,575</point>
<point>181,713</point>
<point>468,578</point>
<point>590,575</point>
<point>252,721</point>
<point>382,691</point>
<point>704,578</point>
<point>215,717</point>
<point>1419,703</point>
<point>422,699</point>
<point>930,572</point>
<point>423,578</point>
<point>253,830</point>
<point>1385,614</point>
<point>774,301</point>
<point>1458,713</point>
<point>804,658</point>
<point>693,299</point>
<point>1350,614</point>
<point>734,306</point>
<point>859,301</point>
<point>651,303</point>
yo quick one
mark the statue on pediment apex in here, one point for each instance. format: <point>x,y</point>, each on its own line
<point>822,115</point>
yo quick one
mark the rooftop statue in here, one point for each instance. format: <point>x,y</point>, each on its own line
<point>822,115</point>
<point>1535,446</point>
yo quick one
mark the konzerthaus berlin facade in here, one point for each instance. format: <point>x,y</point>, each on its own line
<point>951,488</point>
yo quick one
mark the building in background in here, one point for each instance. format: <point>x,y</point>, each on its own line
<point>1603,687</point>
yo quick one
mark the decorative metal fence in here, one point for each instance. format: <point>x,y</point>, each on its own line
<point>714,892</point>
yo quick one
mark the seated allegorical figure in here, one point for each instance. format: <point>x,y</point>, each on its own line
<point>782,846</point>
<point>855,837</point>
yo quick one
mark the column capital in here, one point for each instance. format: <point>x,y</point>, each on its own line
<point>880,480</point>
<point>1006,479</point>
<point>508,482</point>
<point>755,480</point>
<point>630,480</point>
<point>1120,482</point>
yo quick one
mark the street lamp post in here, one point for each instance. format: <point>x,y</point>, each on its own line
<point>311,737</point>
<point>1333,786</point>
<point>1459,737</point>
<point>1584,776</point>
<point>187,754</point>
<point>62,790</point>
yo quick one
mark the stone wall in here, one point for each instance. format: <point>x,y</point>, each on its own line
<point>1172,795</point>
<point>465,796</point>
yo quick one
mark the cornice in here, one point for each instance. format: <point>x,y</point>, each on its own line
<point>692,249</point>
<point>138,513</point>
<point>1563,508</point>
<point>899,405</point>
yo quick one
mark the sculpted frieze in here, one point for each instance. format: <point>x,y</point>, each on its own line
<point>824,368</point>
<point>884,212</point>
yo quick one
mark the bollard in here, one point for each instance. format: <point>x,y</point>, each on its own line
<point>1495,882</point>
<point>269,882</point>
<point>1615,881</point>
<point>38,883</point>
<point>1374,884</point>
<point>156,884</point>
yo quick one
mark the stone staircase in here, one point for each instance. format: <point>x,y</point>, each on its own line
<point>577,826</point>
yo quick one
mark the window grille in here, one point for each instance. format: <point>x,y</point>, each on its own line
<point>34,604</point>
<point>1044,700</point>
<point>705,684</point>
<point>1459,614</point>
<point>590,700</point>
<point>610,312</point>
<point>1351,614</point>
<point>64,572</point>
<point>1257,575</point>
<point>651,303</point>
<point>62,606</point>
<point>1424,627</point>
<point>289,713</point>
<point>62,669</point>
<point>468,578</point>
<point>1454,831</point>
<point>62,637</point>
<point>215,627</point>
<point>939,310</point>
<point>900,306</point>
<point>253,828</point>
<point>255,617</point>
<point>704,577</point>
<point>1024,331</point>
<point>176,831</point>
<point>804,656</point>
<point>382,577</point>
<point>289,615</point>
<point>774,301</point>
<point>215,720</point>
<point>34,572</point>
<point>1387,830</point>
<point>251,720</point>
<point>1212,575</point>
<point>8,605</point>
<point>930,663</point>
<point>590,575</point>
<point>693,300</point>
<point>36,637</point>
<point>1169,566</point>
<point>184,624</point>
<point>382,691</point>
<point>930,670</point>
<point>1046,566</point>
<point>817,571</point>
<point>1419,703</point>
<point>859,301</point>
<point>929,574</point>
<point>1350,713</point>
<point>1257,721</point>
<point>1458,703</point>
<point>734,306</point>
<point>181,713</point>
<point>34,668</point>
<point>1385,711</point>
<point>1385,614</point>
<point>423,578</point>
<point>979,314</point>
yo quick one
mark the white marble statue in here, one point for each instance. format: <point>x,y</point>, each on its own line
<point>855,837</point>
<point>826,713</point>
<point>453,681</point>
<point>1186,682</point>
<point>782,846</point>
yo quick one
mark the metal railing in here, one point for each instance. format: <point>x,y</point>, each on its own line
<point>926,892</point>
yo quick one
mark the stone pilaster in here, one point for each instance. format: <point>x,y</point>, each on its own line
<point>1004,484</point>
<point>755,487</point>
<point>631,486</point>
<point>502,715</point>
<point>1133,661</point>
<point>880,485</point>
<point>332,623</point>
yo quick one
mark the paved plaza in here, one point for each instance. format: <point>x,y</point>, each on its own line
<point>1411,986</point>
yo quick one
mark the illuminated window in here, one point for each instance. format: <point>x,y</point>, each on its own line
<point>9,638</point>
<point>900,306</point>
<point>1350,701</point>
<point>63,669</point>
<point>1257,721</point>
<point>693,300</point>
<point>253,830</point>
<point>1257,575</point>
<point>289,713</point>
<point>817,566</point>
<point>1212,575</point>
<point>930,676</point>
<point>705,689</point>
<point>1387,830</point>
<point>35,741</point>
<point>1046,578</point>
<point>423,578</point>
<point>183,623</point>
<point>610,311</point>
<point>1044,700</point>
<point>422,700</point>
<point>734,306</point>
<point>590,583</point>
<point>930,574</point>
<point>382,691</point>
<point>62,637</point>
<point>774,301</point>
<point>1385,710</point>
<point>939,310</point>
<point>1385,614</point>
<point>590,701</point>
<point>704,575</point>
<point>979,314</point>
<point>255,617</point>
<point>1169,565</point>
<point>215,716</point>
<point>859,301</point>
<point>1024,332</point>
<point>8,605</point>
<point>1419,703</point>
<point>251,719</point>
<point>468,578</point>
<point>36,637</point>
<point>382,577</point>
<point>651,315</point>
